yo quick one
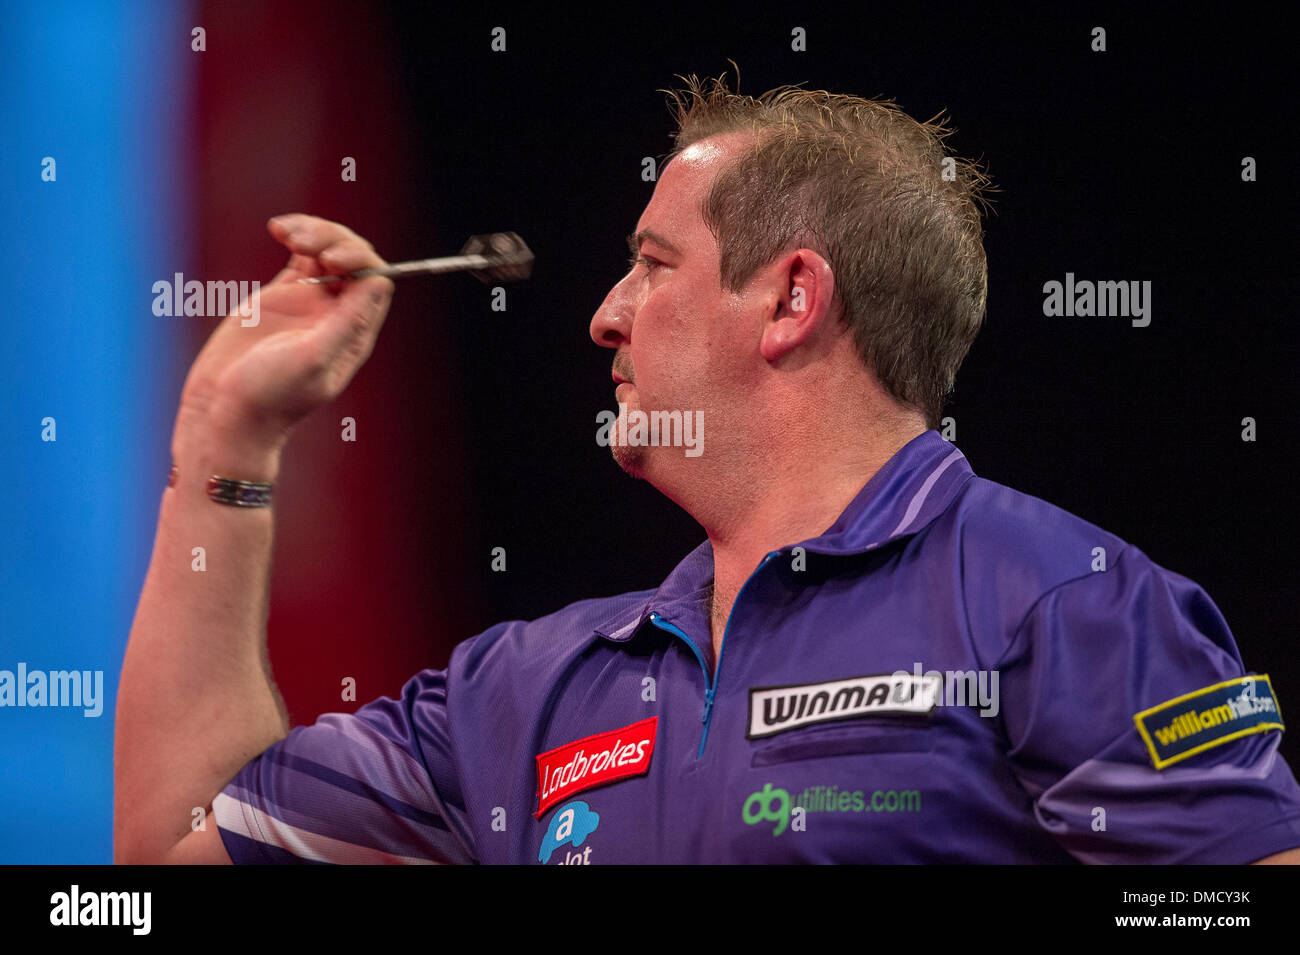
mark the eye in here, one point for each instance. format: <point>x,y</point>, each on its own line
<point>638,259</point>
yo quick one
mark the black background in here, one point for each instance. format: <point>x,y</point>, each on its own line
<point>1122,165</point>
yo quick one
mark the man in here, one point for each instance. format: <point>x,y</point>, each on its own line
<point>876,656</point>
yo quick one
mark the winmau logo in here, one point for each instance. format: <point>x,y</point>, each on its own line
<point>776,709</point>
<point>102,908</point>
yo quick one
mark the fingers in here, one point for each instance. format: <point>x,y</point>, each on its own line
<point>347,255</point>
<point>334,246</point>
<point>310,235</point>
<point>346,336</point>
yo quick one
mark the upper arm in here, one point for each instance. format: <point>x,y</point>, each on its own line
<point>1289,857</point>
<point>1133,641</point>
<point>376,786</point>
<point>201,847</point>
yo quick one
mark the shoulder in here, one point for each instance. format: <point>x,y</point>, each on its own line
<point>1011,530</point>
<point>529,651</point>
<point>1036,579</point>
<point>1020,557</point>
<point>501,683</point>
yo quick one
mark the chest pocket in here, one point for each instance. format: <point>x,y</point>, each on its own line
<point>851,738</point>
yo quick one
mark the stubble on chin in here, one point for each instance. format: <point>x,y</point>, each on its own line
<point>631,458</point>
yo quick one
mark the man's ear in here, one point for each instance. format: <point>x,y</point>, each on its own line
<point>803,289</point>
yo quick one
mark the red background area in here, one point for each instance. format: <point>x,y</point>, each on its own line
<point>371,577</point>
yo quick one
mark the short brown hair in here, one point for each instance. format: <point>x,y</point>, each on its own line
<point>862,183</point>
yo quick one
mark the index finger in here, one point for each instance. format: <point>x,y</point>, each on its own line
<point>310,235</point>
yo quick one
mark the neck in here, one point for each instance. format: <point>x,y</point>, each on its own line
<point>779,494</point>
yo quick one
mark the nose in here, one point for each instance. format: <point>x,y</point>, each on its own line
<point>611,326</point>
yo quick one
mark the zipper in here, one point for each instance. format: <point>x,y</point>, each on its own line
<point>711,686</point>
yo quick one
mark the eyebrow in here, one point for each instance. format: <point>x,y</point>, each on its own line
<point>634,241</point>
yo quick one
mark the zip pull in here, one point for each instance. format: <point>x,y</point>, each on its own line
<point>708,704</point>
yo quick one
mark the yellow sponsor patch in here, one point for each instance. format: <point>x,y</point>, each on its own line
<point>1194,722</point>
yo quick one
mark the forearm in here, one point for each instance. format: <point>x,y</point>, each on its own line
<point>195,701</point>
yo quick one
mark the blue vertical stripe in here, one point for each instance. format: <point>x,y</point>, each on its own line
<point>103,89</point>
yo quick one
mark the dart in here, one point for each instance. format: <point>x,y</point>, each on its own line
<point>497,256</point>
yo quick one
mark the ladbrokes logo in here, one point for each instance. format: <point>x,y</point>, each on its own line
<point>594,761</point>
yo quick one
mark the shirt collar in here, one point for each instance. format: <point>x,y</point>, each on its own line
<point>910,491</point>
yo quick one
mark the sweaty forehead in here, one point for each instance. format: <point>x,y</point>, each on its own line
<point>705,153</point>
<point>701,161</point>
<point>675,207</point>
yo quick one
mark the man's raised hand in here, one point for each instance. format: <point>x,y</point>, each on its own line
<point>251,383</point>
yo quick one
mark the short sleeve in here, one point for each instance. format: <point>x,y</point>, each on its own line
<point>375,787</point>
<point>1136,640</point>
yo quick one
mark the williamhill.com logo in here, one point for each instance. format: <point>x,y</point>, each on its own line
<point>1189,724</point>
<point>1194,722</point>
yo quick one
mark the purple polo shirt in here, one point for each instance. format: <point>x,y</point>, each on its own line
<point>952,672</point>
